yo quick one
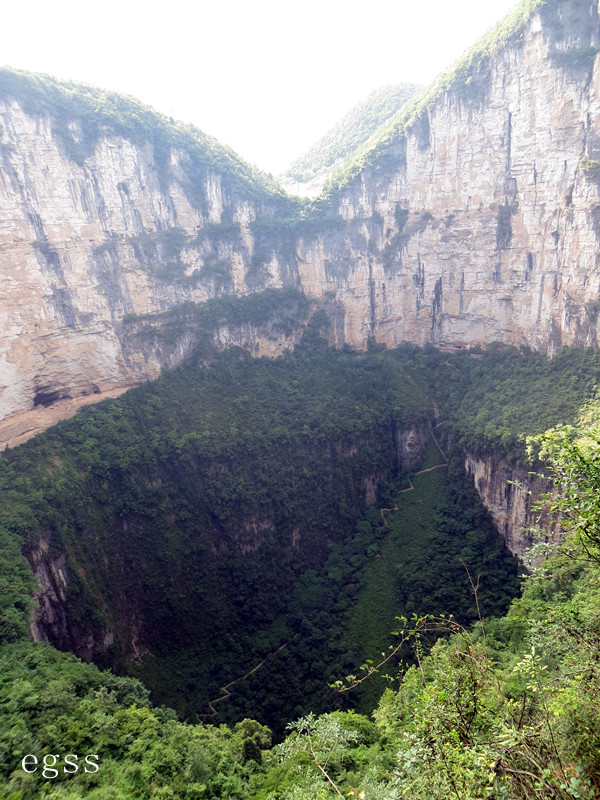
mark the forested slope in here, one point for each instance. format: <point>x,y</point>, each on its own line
<point>169,527</point>
<point>121,495</point>
<point>153,524</point>
<point>353,130</point>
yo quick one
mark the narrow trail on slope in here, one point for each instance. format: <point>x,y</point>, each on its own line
<point>226,694</point>
<point>438,445</point>
<point>420,472</point>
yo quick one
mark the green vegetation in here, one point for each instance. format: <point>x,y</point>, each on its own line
<point>403,561</point>
<point>171,505</point>
<point>221,469</point>
<point>218,543</point>
<point>506,708</point>
<point>282,310</point>
<point>217,232</point>
<point>591,169</point>
<point>436,536</point>
<point>53,705</point>
<point>576,58</point>
<point>351,131</point>
<point>592,307</point>
<point>81,114</point>
<point>492,400</point>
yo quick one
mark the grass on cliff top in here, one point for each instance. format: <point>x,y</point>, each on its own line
<point>351,131</point>
<point>100,112</point>
<point>468,76</point>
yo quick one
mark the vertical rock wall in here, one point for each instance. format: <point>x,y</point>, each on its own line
<point>481,225</point>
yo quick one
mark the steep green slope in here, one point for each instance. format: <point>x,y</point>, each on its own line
<point>351,132</point>
<point>438,534</point>
<point>403,561</point>
<point>193,487</point>
<point>508,709</point>
<point>81,115</point>
<point>188,508</point>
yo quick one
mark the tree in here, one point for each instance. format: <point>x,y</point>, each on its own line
<point>572,456</point>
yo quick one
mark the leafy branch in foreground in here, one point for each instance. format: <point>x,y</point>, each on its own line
<point>472,724</point>
<point>319,740</point>
<point>484,731</point>
<point>572,456</point>
<point>410,635</point>
<point>369,667</point>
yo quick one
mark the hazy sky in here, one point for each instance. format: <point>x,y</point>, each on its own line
<point>266,77</point>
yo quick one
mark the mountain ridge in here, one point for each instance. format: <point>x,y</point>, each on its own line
<point>474,219</point>
<point>310,171</point>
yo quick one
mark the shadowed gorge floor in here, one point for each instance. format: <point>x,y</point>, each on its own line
<point>243,535</point>
<point>165,512</point>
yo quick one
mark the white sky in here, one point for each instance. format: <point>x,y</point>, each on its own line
<point>266,77</point>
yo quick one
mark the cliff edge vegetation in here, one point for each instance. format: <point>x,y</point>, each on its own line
<point>507,707</point>
<point>352,131</point>
<point>81,115</point>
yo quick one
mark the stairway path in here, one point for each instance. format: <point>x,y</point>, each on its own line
<point>225,693</point>
<point>420,472</point>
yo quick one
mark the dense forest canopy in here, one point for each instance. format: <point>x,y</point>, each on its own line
<point>166,479</point>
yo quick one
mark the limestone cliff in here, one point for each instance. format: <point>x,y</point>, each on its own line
<point>474,218</point>
<point>91,243</point>
<point>509,493</point>
<point>486,228</point>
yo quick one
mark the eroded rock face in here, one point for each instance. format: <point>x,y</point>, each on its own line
<point>484,227</point>
<point>499,240</point>
<point>83,247</point>
<point>49,619</point>
<point>510,494</point>
<point>49,597</point>
<point>54,616</point>
<point>411,444</point>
